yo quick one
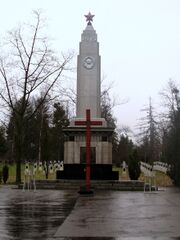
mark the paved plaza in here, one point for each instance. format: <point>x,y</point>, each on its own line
<point>108,215</point>
<point>33,215</point>
<point>125,215</point>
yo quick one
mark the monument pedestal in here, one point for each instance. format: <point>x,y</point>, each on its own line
<point>98,172</point>
<point>75,153</point>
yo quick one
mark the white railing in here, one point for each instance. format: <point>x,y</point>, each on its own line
<point>149,175</point>
<point>149,171</point>
<point>161,167</point>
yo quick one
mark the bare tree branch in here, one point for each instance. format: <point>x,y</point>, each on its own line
<point>29,66</point>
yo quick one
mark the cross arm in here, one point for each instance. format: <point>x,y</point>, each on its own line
<point>80,123</point>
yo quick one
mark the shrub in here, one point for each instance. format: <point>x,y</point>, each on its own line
<point>5,173</point>
<point>134,166</point>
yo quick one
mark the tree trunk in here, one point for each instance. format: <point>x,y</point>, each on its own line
<point>18,171</point>
<point>18,147</point>
<point>18,161</point>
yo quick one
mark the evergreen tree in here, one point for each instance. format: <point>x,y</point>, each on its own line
<point>171,140</point>
<point>42,130</point>
<point>29,147</point>
<point>3,142</point>
<point>149,135</point>
<point>106,110</point>
<point>134,165</point>
<point>106,113</point>
<point>125,148</point>
<point>27,134</point>
<point>59,121</point>
<point>173,152</point>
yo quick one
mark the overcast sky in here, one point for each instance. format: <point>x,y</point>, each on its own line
<point>139,42</point>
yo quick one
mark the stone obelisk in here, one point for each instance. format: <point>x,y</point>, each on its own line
<point>88,73</point>
<point>88,98</point>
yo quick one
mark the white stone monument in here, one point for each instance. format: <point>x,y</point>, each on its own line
<point>88,75</point>
<point>88,97</point>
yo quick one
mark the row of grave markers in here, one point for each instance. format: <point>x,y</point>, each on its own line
<point>30,171</point>
<point>43,167</point>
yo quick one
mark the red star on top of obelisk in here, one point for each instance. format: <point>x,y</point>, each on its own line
<point>89,18</point>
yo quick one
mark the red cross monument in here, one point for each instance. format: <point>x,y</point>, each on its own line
<point>88,123</point>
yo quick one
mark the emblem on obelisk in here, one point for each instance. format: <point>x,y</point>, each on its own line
<point>89,18</point>
<point>88,62</point>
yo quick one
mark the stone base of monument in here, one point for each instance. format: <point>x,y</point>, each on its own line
<point>96,185</point>
<point>98,172</point>
<point>84,191</point>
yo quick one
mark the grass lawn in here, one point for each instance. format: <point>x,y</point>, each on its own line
<point>12,173</point>
<point>161,178</point>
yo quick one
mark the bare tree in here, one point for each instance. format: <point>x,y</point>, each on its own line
<point>148,136</point>
<point>171,128</point>
<point>171,101</point>
<point>27,66</point>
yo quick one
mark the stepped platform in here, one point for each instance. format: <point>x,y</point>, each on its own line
<point>127,185</point>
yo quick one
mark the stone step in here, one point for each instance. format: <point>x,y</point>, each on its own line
<point>95,184</point>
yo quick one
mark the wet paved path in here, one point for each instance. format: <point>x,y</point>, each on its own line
<point>108,215</point>
<point>28,215</point>
<point>124,215</point>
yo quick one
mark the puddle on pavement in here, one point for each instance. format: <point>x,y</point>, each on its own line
<point>27,216</point>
